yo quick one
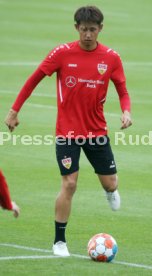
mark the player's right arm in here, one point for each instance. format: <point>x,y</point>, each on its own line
<point>49,65</point>
<point>12,118</point>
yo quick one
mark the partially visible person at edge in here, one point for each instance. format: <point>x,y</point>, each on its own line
<point>84,69</point>
<point>5,199</point>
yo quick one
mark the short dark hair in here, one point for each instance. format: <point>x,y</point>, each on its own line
<point>88,14</point>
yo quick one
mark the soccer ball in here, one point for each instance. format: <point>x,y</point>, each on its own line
<point>102,248</point>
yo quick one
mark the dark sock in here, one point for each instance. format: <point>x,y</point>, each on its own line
<point>60,231</point>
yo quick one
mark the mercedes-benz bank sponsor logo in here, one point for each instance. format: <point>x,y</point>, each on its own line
<point>70,81</point>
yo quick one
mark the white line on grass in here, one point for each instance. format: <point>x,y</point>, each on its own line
<point>134,265</point>
<point>41,106</point>
<point>28,257</point>
<point>52,256</point>
<point>137,63</point>
<point>34,94</point>
<point>25,247</point>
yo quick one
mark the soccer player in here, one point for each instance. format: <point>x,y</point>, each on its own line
<point>84,69</point>
<point>5,199</point>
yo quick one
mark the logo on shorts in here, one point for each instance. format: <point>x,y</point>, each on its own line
<point>67,162</point>
<point>102,68</point>
<point>112,165</point>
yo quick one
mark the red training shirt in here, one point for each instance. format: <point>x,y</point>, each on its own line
<point>82,84</point>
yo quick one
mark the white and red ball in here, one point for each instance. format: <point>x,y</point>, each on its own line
<point>102,247</point>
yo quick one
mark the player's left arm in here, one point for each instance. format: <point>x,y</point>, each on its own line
<point>125,104</point>
<point>119,80</point>
<point>126,119</point>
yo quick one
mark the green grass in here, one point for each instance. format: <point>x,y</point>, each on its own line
<point>28,30</point>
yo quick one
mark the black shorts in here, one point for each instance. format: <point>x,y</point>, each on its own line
<point>99,154</point>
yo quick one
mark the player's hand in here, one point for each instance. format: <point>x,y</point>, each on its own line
<point>11,120</point>
<point>15,209</point>
<point>126,119</point>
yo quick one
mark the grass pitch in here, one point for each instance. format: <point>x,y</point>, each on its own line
<point>29,30</point>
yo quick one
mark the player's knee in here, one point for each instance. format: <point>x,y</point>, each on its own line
<point>110,182</point>
<point>70,185</point>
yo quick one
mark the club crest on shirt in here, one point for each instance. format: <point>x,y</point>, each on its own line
<point>102,68</point>
<point>67,162</point>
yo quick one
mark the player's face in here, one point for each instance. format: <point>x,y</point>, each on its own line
<point>88,35</point>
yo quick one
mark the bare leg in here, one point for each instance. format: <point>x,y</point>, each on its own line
<point>109,182</point>
<point>64,198</point>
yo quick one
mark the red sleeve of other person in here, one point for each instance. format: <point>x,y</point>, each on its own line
<point>5,199</point>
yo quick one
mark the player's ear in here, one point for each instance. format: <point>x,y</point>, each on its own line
<point>76,26</point>
<point>100,27</point>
